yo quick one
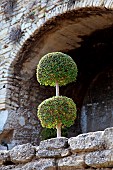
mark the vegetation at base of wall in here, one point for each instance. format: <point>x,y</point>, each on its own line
<point>51,133</point>
<point>55,110</point>
<point>58,67</point>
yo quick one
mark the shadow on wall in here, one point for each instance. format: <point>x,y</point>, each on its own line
<point>5,140</point>
<point>97,110</point>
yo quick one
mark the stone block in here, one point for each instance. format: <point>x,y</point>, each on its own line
<point>12,167</point>
<point>54,143</point>
<point>4,156</point>
<point>100,159</point>
<point>42,164</point>
<point>87,142</point>
<point>77,144</point>
<point>22,153</point>
<point>107,3</point>
<point>54,147</point>
<point>76,161</point>
<point>55,153</point>
<point>49,153</point>
<point>94,141</point>
<point>108,137</point>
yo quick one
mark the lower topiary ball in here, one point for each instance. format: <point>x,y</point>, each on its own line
<point>57,110</point>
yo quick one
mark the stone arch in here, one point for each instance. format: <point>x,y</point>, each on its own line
<point>86,20</point>
<point>65,32</point>
<point>63,9</point>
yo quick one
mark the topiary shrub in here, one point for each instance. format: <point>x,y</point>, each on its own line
<point>56,67</point>
<point>56,112</point>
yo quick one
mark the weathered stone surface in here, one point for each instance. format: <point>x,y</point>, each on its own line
<point>65,40</point>
<point>57,158</point>
<point>12,167</point>
<point>25,121</point>
<point>76,161</point>
<point>42,164</point>
<point>77,143</point>
<point>3,147</point>
<point>43,153</point>
<point>94,141</point>
<point>54,147</point>
<point>4,156</point>
<point>54,143</point>
<point>22,153</point>
<point>65,152</point>
<point>3,118</point>
<point>49,153</point>
<point>108,137</point>
<point>87,142</point>
<point>100,159</point>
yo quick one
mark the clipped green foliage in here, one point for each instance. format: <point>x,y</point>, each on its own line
<point>58,67</point>
<point>55,110</point>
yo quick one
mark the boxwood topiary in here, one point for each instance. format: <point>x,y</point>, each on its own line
<point>56,67</point>
<point>57,110</point>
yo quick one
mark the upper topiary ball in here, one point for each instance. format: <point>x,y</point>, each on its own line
<point>55,110</point>
<point>56,67</point>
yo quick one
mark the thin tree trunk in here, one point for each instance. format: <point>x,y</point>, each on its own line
<point>58,127</point>
<point>57,89</point>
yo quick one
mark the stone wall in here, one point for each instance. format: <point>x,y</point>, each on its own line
<point>40,25</point>
<point>90,151</point>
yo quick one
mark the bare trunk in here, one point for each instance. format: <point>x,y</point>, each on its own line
<point>57,89</point>
<point>58,127</point>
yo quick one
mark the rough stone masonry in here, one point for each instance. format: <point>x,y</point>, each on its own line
<point>86,151</point>
<point>28,30</point>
